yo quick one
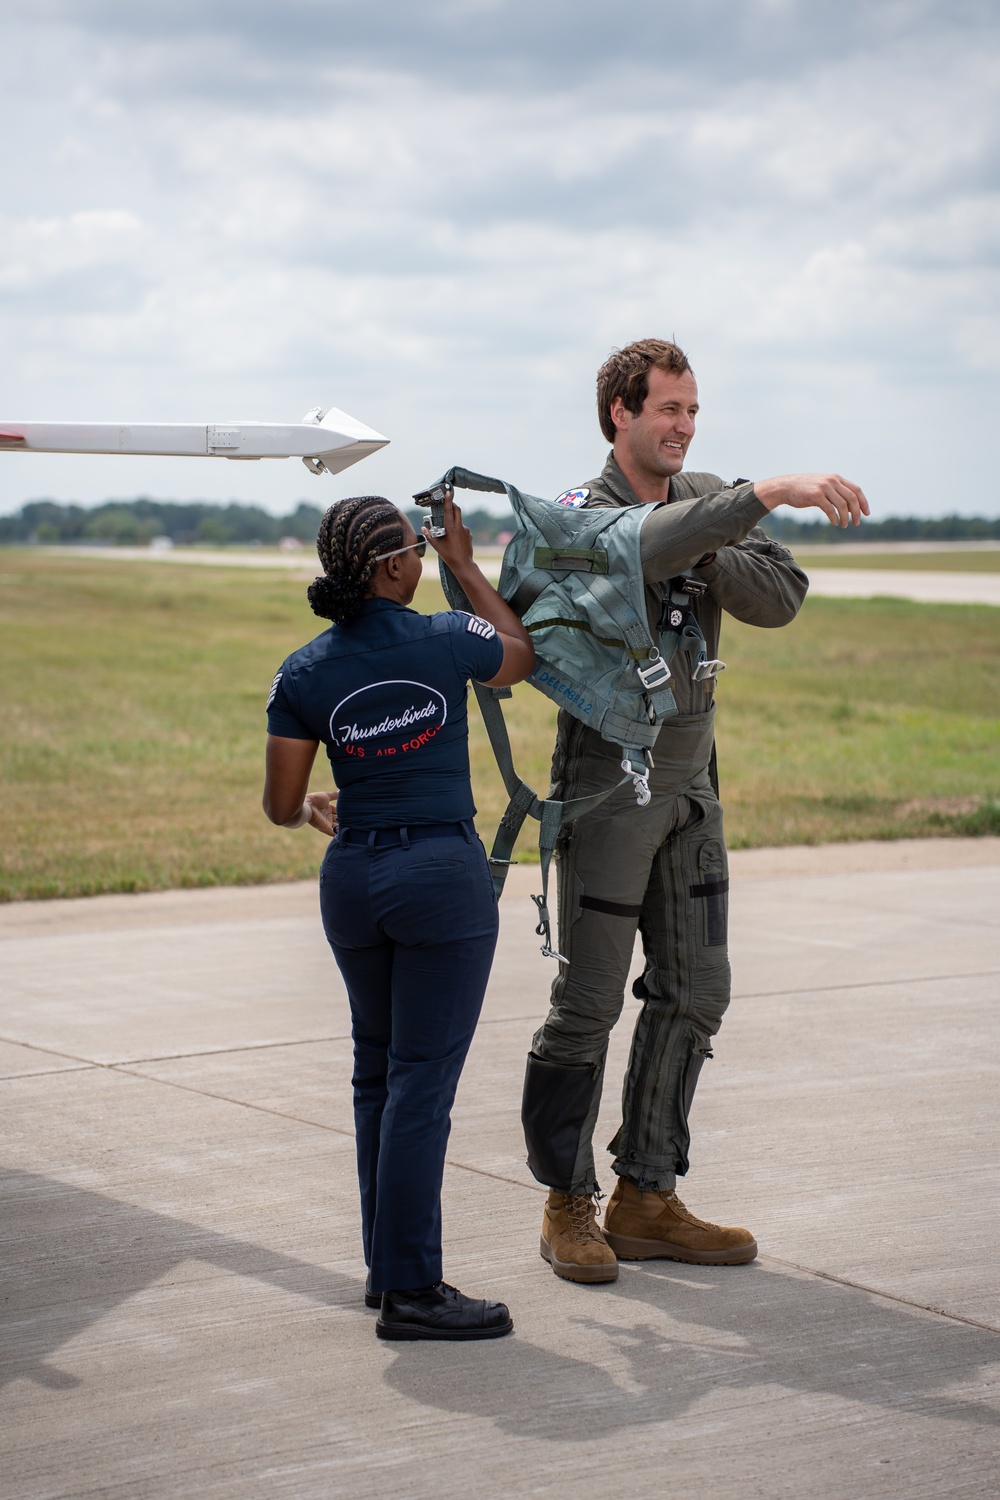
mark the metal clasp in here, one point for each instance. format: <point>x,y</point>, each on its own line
<point>656,674</point>
<point>704,669</point>
<point>544,930</point>
<point>433,500</point>
<point>640,781</point>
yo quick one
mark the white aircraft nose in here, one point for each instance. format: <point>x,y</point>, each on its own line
<point>330,440</point>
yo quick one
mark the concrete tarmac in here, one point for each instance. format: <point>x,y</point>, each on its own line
<point>840,583</point>
<point>182,1286</point>
<point>920,588</point>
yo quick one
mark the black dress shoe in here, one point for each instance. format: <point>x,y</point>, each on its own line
<point>440,1312</point>
<point>372,1299</point>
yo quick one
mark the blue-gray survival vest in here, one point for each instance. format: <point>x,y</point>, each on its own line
<point>574,577</point>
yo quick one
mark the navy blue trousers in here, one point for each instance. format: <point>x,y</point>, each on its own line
<point>412,922</point>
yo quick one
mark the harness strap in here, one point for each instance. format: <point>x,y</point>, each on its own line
<point>465,479</point>
<point>633,628</point>
<point>605,640</point>
<point>526,594</point>
<point>524,802</point>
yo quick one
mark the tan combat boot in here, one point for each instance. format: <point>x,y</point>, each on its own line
<point>656,1226</point>
<point>572,1241</point>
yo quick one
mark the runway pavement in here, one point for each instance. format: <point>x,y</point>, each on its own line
<point>921,588</point>
<point>182,1289</point>
<point>836,582</point>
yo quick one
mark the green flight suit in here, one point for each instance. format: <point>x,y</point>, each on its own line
<point>660,868</point>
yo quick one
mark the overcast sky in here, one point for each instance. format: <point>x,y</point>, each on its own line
<point>442,216</point>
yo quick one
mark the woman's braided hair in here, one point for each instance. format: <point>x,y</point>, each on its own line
<point>352,534</point>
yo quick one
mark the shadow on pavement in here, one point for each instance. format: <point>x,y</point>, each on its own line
<point>664,1335</point>
<point>71,1256</point>
<point>777,1328</point>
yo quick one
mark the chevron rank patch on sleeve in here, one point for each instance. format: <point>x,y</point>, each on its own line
<point>477,626</point>
<point>274,689</point>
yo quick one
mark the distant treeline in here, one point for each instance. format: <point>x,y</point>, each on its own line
<point>135,523</point>
<point>785,528</point>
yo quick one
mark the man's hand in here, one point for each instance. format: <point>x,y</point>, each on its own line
<point>322,811</point>
<point>842,502</point>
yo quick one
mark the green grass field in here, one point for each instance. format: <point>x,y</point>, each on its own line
<point>133,726</point>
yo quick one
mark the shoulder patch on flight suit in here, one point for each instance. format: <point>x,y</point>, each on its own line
<point>573,498</point>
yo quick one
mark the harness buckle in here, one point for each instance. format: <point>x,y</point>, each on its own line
<point>433,500</point>
<point>704,669</point>
<point>694,587</point>
<point>656,674</point>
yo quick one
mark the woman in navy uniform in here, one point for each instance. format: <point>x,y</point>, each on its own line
<point>405,891</point>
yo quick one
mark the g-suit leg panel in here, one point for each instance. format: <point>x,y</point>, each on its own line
<point>685,991</point>
<point>603,868</point>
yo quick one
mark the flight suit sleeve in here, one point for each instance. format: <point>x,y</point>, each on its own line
<point>675,536</point>
<point>756,580</point>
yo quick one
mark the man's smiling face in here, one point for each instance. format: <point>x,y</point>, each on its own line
<point>655,442</point>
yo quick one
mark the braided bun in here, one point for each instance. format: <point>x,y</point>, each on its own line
<point>352,536</point>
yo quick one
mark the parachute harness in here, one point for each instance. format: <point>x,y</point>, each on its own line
<point>631,711</point>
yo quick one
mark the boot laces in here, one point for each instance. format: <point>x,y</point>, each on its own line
<point>581,1212</point>
<point>685,1213</point>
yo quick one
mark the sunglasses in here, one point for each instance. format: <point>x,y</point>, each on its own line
<point>419,547</point>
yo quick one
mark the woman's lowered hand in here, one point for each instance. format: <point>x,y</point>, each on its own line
<point>322,812</point>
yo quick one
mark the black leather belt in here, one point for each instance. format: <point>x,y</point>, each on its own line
<point>413,833</point>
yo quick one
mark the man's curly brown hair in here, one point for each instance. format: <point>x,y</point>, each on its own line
<point>625,373</point>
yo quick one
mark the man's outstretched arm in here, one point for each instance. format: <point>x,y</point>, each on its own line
<point>751,577</point>
<point>757,581</point>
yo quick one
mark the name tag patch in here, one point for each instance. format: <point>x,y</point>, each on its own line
<point>573,498</point>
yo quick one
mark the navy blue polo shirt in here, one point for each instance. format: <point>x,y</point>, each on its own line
<point>387,695</point>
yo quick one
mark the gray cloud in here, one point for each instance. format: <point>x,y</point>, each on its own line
<point>443,223</point>
<point>468,43</point>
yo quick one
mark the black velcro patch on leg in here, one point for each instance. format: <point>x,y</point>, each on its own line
<point>609,908</point>
<point>713,893</point>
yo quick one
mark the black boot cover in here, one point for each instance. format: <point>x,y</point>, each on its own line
<point>554,1107</point>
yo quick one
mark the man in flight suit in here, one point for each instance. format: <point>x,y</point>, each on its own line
<point>660,868</point>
